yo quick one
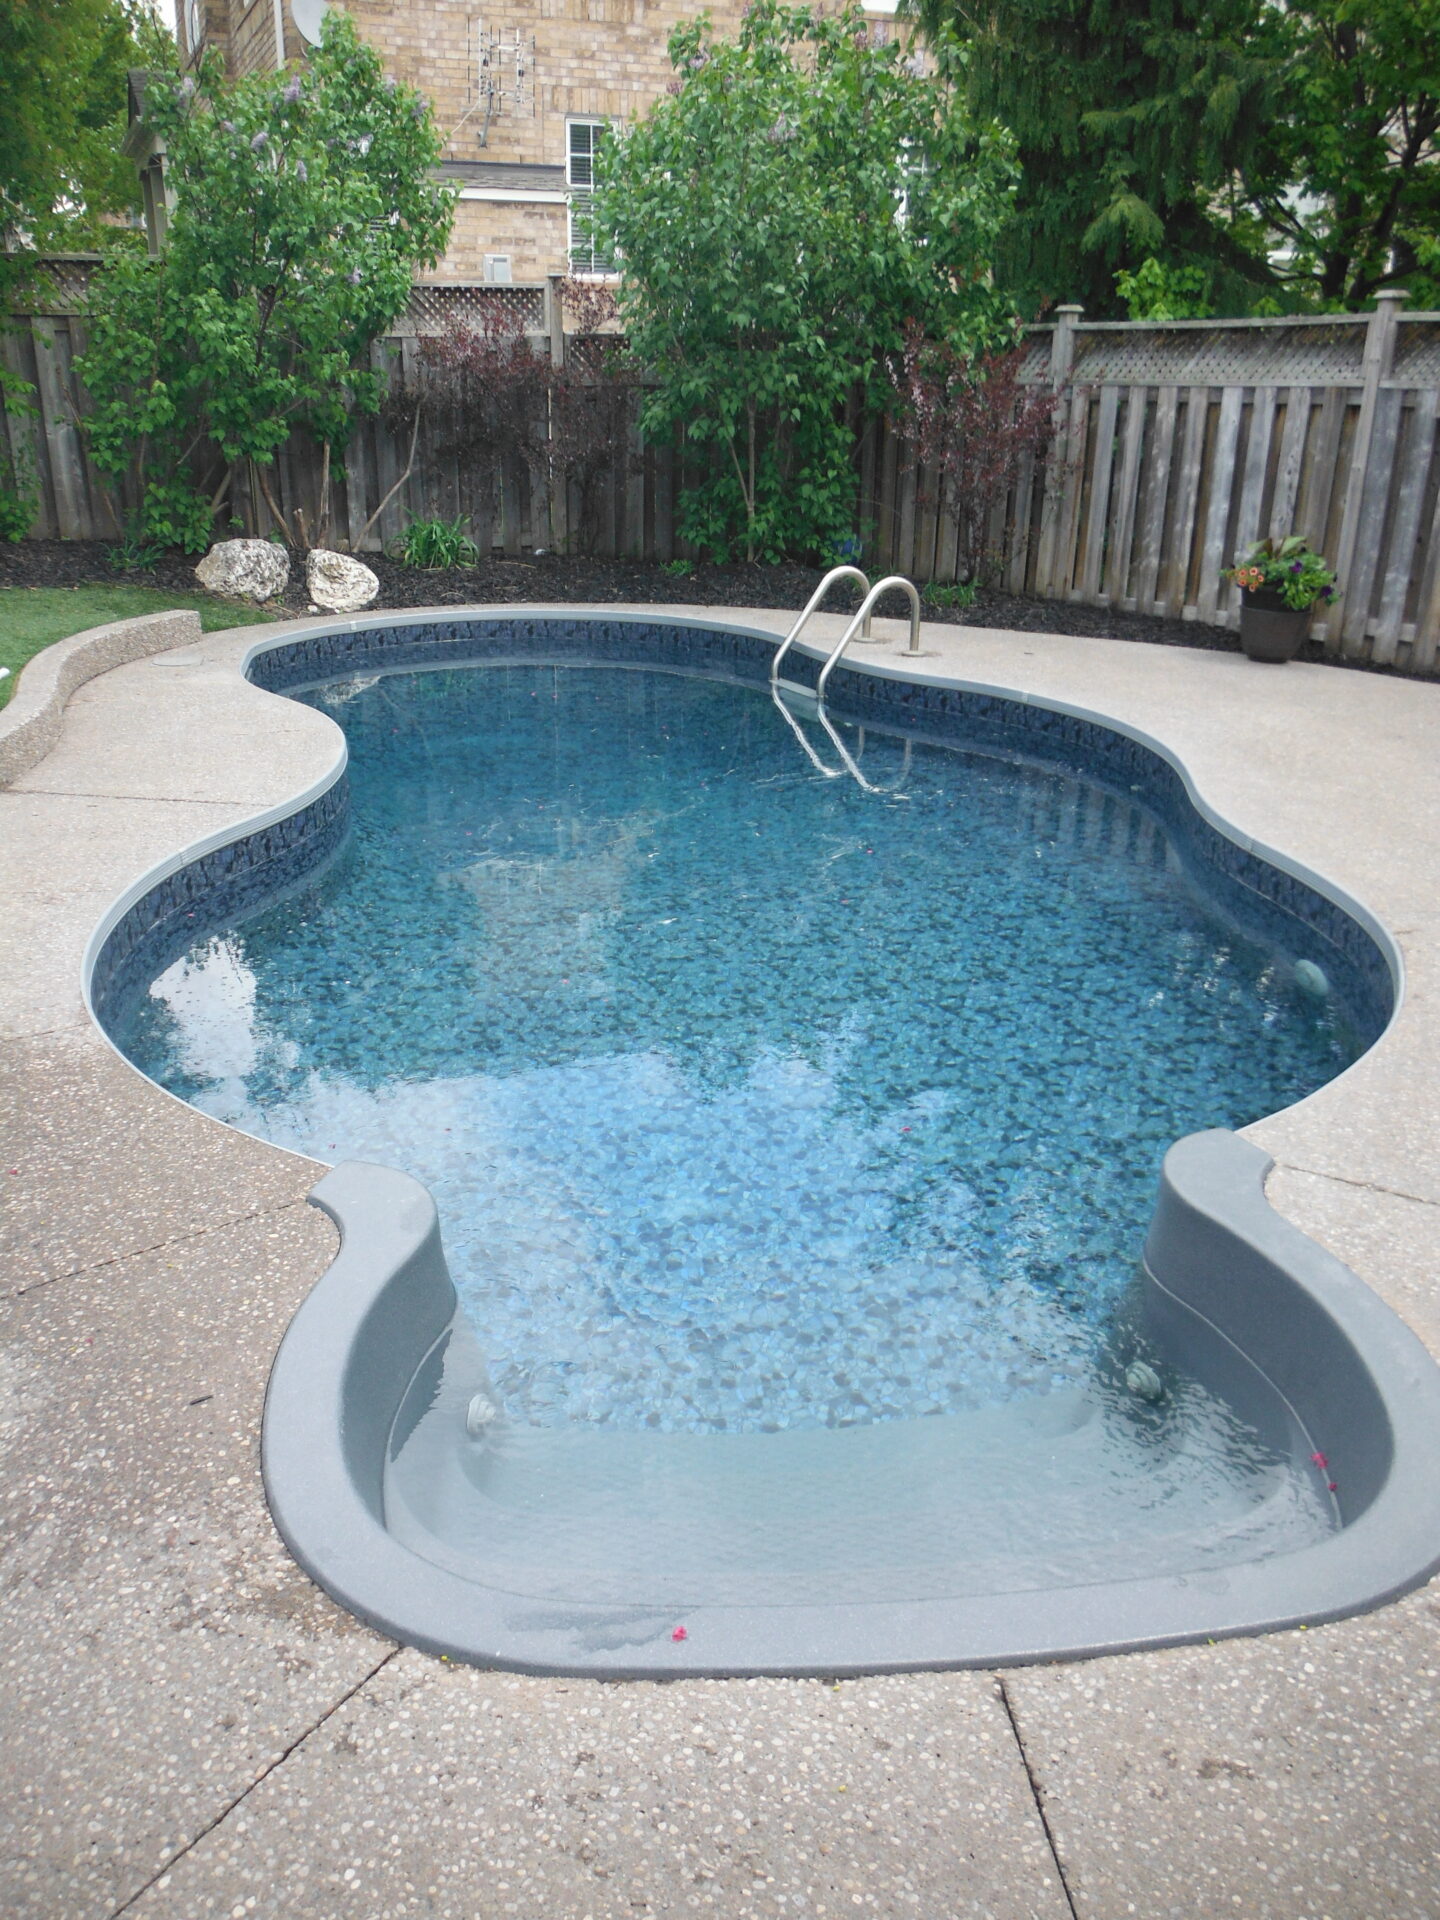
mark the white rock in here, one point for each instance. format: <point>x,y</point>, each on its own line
<point>245,569</point>
<point>339,583</point>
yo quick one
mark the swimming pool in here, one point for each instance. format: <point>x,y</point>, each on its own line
<point>777,1228</point>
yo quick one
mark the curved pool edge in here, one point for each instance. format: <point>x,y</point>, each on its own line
<point>353,1347</point>
<point>610,1644</point>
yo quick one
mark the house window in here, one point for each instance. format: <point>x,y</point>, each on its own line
<point>583,139</point>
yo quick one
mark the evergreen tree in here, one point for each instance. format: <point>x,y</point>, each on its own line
<point>1285,155</point>
<point>1131,121</point>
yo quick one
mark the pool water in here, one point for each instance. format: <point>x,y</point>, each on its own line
<point>751,1102</point>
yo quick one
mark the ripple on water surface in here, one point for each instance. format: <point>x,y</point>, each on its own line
<point>749,1100</point>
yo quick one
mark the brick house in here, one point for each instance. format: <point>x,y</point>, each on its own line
<point>522,91</point>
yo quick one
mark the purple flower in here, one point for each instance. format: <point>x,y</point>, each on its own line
<point>187,88</point>
<point>302,172</point>
<point>1327,593</point>
<point>292,92</point>
<point>1297,566</point>
<point>354,276</point>
<point>259,141</point>
<point>227,126</point>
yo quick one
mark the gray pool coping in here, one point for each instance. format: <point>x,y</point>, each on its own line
<point>1305,1760</point>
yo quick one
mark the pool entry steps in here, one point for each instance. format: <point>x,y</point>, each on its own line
<point>366,1355</point>
<point>1247,1446</point>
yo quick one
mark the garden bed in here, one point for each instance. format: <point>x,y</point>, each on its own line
<point>597,582</point>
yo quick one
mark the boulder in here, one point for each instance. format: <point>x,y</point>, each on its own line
<point>339,583</point>
<point>245,569</point>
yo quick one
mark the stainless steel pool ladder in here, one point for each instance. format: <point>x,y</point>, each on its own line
<point>789,695</point>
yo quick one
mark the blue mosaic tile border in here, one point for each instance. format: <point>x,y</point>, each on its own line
<point>219,887</point>
<point>210,892</point>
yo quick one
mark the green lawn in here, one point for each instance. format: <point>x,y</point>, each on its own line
<point>35,617</point>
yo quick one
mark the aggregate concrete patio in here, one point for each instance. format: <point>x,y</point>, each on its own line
<point>193,1728</point>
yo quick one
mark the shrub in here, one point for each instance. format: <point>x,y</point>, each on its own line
<point>435,544</point>
<point>798,193</point>
<point>303,203</point>
<point>972,422</point>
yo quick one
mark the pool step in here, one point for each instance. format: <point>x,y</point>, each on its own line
<point>1058,1489</point>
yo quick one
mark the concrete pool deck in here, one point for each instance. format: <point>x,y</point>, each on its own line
<point>193,1728</point>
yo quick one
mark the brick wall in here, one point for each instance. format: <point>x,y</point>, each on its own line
<point>587,59</point>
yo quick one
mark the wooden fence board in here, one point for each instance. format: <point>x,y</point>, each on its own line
<point>1427,622</point>
<point>1358,591</point>
<point>1292,452</point>
<point>1217,506</point>
<point>1117,559</point>
<point>23,433</point>
<point>1252,491</point>
<point>62,440</point>
<point>1401,558</point>
<point>1152,529</point>
<point>1059,524</point>
<point>1175,574</point>
<point>1020,535</point>
<point>1099,493</point>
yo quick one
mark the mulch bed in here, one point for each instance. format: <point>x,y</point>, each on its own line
<point>573,580</point>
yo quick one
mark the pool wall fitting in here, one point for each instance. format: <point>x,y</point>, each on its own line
<point>1215,1248</point>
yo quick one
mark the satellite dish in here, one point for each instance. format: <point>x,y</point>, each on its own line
<point>307,15</point>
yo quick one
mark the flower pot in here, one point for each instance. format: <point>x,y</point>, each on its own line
<point>1269,630</point>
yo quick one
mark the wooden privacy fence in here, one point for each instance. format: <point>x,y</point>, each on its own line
<point>1179,445</point>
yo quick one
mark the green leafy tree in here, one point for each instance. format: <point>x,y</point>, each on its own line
<point>1348,189</point>
<point>303,203</point>
<point>63,110</point>
<point>798,196</point>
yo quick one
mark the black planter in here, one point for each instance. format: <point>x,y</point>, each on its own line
<point>1269,630</point>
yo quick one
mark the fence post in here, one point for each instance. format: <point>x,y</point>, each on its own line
<point>1062,359</point>
<point>1378,360</point>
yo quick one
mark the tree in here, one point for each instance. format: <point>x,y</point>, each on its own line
<point>303,203</point>
<point>798,196</point>
<point>63,108</point>
<point>1131,119</point>
<point>1262,157</point>
<point>1349,191</point>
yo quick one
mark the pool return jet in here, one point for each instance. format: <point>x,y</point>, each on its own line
<point>795,701</point>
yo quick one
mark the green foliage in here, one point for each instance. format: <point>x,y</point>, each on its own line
<point>1286,154</point>
<point>1289,567</point>
<point>1159,292</point>
<point>19,488</point>
<point>1132,122</point>
<point>434,544</point>
<point>303,205</point>
<point>1350,185</point>
<point>63,112</point>
<point>953,593</point>
<point>130,555</point>
<point>798,195</point>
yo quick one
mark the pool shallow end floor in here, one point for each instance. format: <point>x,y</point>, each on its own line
<point>1293,1317</point>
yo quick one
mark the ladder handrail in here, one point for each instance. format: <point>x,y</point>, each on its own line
<point>866,606</point>
<point>835,573</point>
